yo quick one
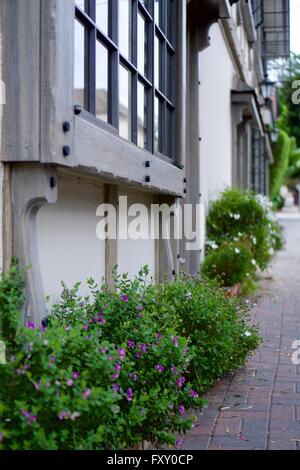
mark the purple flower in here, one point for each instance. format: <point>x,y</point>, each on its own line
<point>118,367</point>
<point>142,347</point>
<point>76,375</point>
<point>140,308</point>
<point>1,436</point>
<point>103,350</point>
<point>30,325</point>
<point>102,321</point>
<point>180,381</point>
<point>138,355</point>
<point>37,385</point>
<point>30,418</point>
<point>122,353</point>
<point>129,394</point>
<point>185,351</point>
<point>130,344</point>
<point>70,382</point>
<point>68,328</point>
<point>100,314</point>
<point>174,370</point>
<point>115,376</point>
<point>116,388</point>
<point>95,319</point>
<point>140,315</point>
<point>43,328</point>
<point>159,367</point>
<point>176,341</point>
<point>52,359</point>
<point>63,415</point>
<point>193,394</point>
<point>87,393</point>
<point>158,336</point>
<point>133,376</point>
<point>124,298</point>
<point>181,409</point>
<point>178,443</point>
<point>85,327</point>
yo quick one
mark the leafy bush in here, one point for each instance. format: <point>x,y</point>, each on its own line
<point>281,162</point>
<point>119,367</point>
<point>230,264</point>
<point>245,218</point>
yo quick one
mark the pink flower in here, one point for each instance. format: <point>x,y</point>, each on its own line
<point>180,381</point>
<point>140,308</point>
<point>30,325</point>
<point>179,443</point>
<point>193,394</point>
<point>85,327</point>
<point>125,298</point>
<point>140,315</point>
<point>87,393</point>
<point>68,328</point>
<point>76,375</point>
<point>130,344</point>
<point>181,409</point>
<point>122,353</point>
<point>176,341</point>
<point>70,382</point>
<point>63,415</point>
<point>103,350</point>
<point>174,370</point>
<point>29,417</point>
<point>129,394</point>
<point>116,388</point>
<point>142,347</point>
<point>159,368</point>
<point>102,321</point>
<point>133,376</point>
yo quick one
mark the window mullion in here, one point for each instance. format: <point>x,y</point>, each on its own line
<point>113,69</point>
<point>151,75</point>
<point>134,76</point>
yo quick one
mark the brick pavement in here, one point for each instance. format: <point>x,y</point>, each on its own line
<point>258,406</point>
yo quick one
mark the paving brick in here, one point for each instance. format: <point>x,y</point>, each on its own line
<point>283,412</point>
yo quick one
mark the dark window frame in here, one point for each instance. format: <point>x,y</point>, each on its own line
<point>165,92</point>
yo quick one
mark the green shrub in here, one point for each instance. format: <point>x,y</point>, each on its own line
<point>281,162</point>
<point>244,218</point>
<point>116,368</point>
<point>231,264</point>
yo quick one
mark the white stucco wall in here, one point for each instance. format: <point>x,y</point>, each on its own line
<point>134,254</point>
<point>68,247</point>
<point>216,72</point>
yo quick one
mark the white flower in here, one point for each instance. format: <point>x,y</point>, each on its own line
<point>240,234</point>
<point>45,342</point>
<point>254,240</point>
<point>237,251</point>
<point>237,216</point>
<point>253,262</point>
<point>247,334</point>
<point>271,251</point>
<point>247,301</point>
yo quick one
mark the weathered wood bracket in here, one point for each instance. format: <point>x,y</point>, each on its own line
<point>202,15</point>
<point>31,190</point>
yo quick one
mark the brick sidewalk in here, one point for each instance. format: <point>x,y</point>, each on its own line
<point>258,407</point>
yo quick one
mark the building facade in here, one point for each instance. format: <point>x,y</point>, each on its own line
<point>156,100</point>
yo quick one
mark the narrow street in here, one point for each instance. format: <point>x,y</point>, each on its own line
<point>258,407</point>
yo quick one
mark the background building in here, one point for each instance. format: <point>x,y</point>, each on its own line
<point>124,97</point>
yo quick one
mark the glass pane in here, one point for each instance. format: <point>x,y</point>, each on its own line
<point>101,81</point>
<point>156,62</point>
<point>156,124</point>
<point>125,104</point>
<point>170,76</point>
<point>170,20</point>
<point>102,15</point>
<point>170,133</point>
<point>125,28</point>
<point>142,45</point>
<point>79,64</point>
<point>142,136</point>
<point>81,4</point>
<point>157,11</point>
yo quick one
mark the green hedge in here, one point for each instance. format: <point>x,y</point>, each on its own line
<point>116,368</point>
<point>281,162</point>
